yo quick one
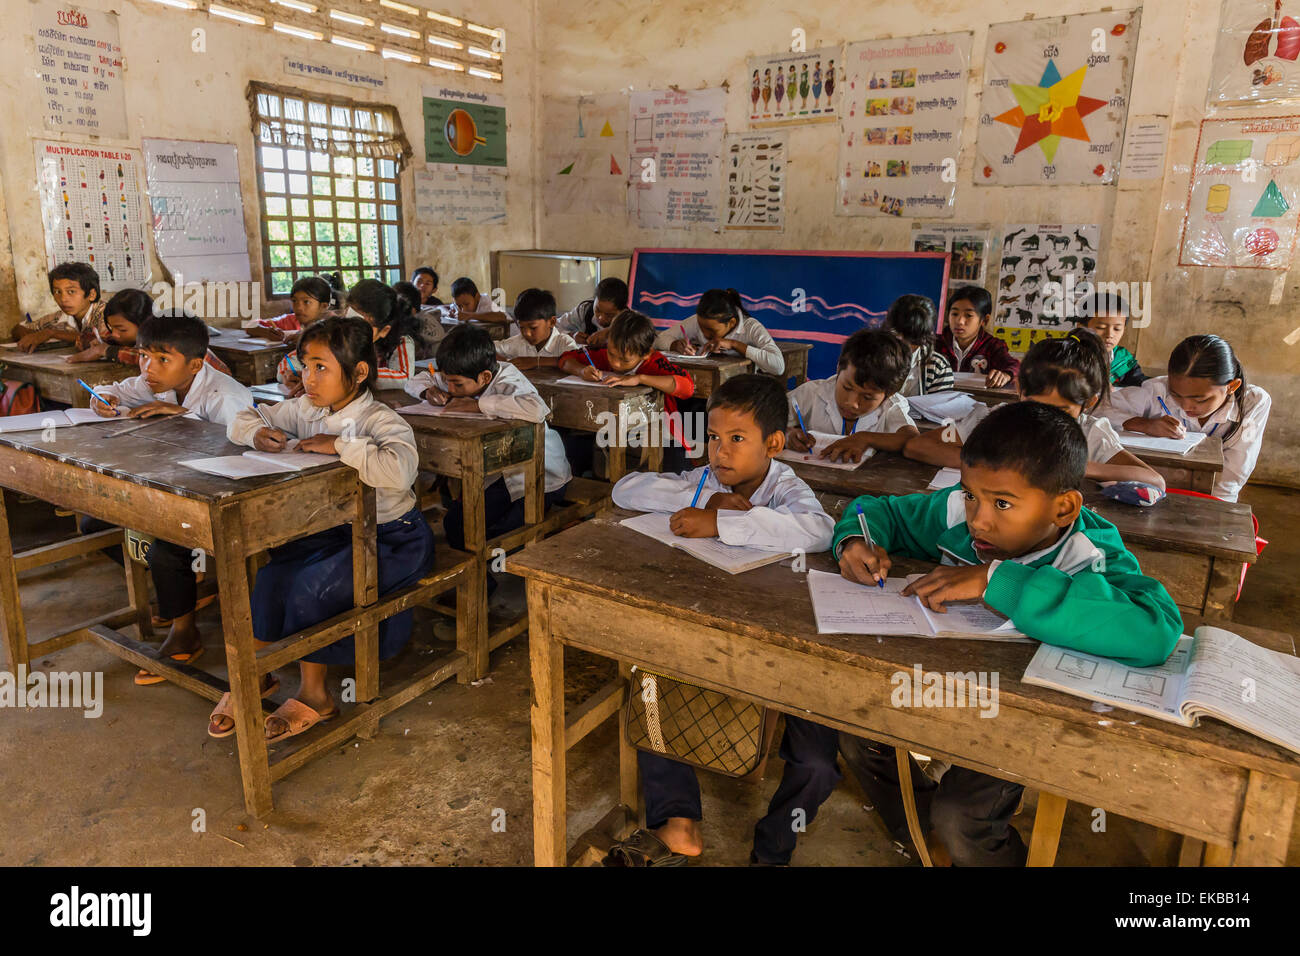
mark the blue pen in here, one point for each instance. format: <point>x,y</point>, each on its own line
<point>799,415</point>
<point>866,533</point>
<point>1165,407</point>
<point>700,487</point>
<point>593,365</point>
<point>93,392</point>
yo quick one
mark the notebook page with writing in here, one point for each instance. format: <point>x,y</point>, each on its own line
<point>974,620</point>
<point>291,460</point>
<point>969,379</point>
<point>1246,685</point>
<point>842,606</point>
<point>939,407</point>
<point>824,440</point>
<point>579,380</point>
<point>440,411</point>
<point>236,466</point>
<point>725,557</point>
<point>1175,446</point>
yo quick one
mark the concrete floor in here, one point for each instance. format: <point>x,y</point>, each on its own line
<point>446,780</point>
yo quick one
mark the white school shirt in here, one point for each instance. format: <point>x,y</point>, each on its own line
<point>759,346</point>
<point>380,444</point>
<point>816,398</point>
<point>213,396</point>
<point>518,347</point>
<point>1103,442</point>
<point>786,514</point>
<point>511,395</point>
<point>571,322</point>
<point>1240,452</point>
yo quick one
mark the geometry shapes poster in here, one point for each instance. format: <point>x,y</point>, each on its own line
<point>754,165</point>
<point>674,141</point>
<point>80,70</point>
<point>900,124</point>
<point>91,207</point>
<point>1055,99</point>
<point>464,128</point>
<point>793,87</point>
<point>1255,58</point>
<point>1034,256</point>
<point>585,155</point>
<point>1244,197</point>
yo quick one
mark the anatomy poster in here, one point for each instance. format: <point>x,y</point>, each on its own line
<point>464,128</point>
<point>1245,193</point>
<point>586,154</point>
<point>753,170</point>
<point>900,128</point>
<point>79,66</point>
<point>794,87</point>
<point>1033,256</point>
<point>674,146</point>
<point>1257,56</point>
<point>968,245</point>
<point>1055,99</point>
<point>198,212</point>
<point>91,208</point>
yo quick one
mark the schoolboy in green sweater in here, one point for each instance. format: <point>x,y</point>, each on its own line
<point>1015,534</point>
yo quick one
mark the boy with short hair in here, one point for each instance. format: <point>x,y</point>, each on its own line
<point>1015,534</point>
<point>589,321</point>
<point>751,499</point>
<point>80,314</point>
<point>539,343</point>
<point>862,402</point>
<point>1107,315</point>
<point>176,381</point>
<point>469,304</point>
<point>967,343</point>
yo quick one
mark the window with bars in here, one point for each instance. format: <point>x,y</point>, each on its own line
<point>327,173</point>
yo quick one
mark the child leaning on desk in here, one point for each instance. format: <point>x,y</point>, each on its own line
<point>539,343</point>
<point>79,318</point>
<point>1014,534</point>
<point>743,497</point>
<point>124,313</point>
<point>310,580</point>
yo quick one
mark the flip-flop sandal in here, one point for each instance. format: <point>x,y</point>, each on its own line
<point>643,848</point>
<point>224,709</point>
<point>299,718</point>
<point>144,678</point>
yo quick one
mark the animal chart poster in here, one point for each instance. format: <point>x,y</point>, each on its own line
<point>1034,255</point>
<point>1244,197</point>
<point>79,65</point>
<point>92,210</point>
<point>968,245</point>
<point>674,148</point>
<point>794,87</point>
<point>753,167</point>
<point>1055,99</point>
<point>464,128</point>
<point>1257,55</point>
<point>586,154</point>
<point>900,128</point>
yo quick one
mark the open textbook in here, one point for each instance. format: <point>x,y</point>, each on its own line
<point>728,557</point>
<point>941,407</point>
<point>824,440</point>
<point>1213,673</point>
<point>56,418</point>
<point>1176,446</point>
<point>842,606</point>
<point>441,411</point>
<point>251,464</point>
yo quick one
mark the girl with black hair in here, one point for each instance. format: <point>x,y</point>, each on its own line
<point>312,298</point>
<point>395,327</point>
<point>1205,391</point>
<point>913,318</point>
<point>721,324</point>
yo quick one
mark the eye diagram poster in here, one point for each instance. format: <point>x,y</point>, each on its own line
<point>1257,55</point>
<point>753,167</point>
<point>1032,257</point>
<point>464,128</point>
<point>901,121</point>
<point>968,245</point>
<point>674,144</point>
<point>198,212</point>
<point>1055,99</point>
<point>586,154</point>
<point>91,208</point>
<point>794,87</point>
<point>1244,195</point>
<point>79,65</point>
<point>446,195</point>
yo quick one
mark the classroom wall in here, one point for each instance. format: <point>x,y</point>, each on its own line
<point>174,93</point>
<point>653,46</point>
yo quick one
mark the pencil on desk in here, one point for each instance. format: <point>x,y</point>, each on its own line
<point>866,533</point>
<point>704,476</point>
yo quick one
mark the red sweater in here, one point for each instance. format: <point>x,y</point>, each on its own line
<point>986,354</point>
<point>653,364</point>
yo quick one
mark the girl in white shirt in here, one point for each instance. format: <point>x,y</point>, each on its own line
<point>395,328</point>
<point>721,324</point>
<point>310,580</point>
<point>1205,391</point>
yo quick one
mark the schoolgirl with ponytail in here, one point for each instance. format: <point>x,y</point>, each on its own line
<point>721,324</point>
<point>395,327</point>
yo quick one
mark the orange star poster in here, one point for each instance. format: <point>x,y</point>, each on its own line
<point>1055,99</point>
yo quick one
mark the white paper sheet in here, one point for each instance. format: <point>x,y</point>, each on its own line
<point>1176,446</point>
<point>824,441</point>
<point>940,407</point>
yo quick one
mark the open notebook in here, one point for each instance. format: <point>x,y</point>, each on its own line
<point>1175,446</point>
<point>1212,673</point>
<point>441,411</point>
<point>579,380</point>
<point>57,418</point>
<point>941,407</point>
<point>254,463</point>
<point>730,558</point>
<point>842,606</point>
<point>969,379</point>
<point>824,439</point>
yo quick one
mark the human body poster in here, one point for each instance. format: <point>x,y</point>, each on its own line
<point>1034,257</point>
<point>586,154</point>
<point>794,87</point>
<point>1055,99</point>
<point>674,147</point>
<point>900,128</point>
<point>1257,54</point>
<point>79,65</point>
<point>1244,197</point>
<point>198,211</point>
<point>91,208</point>
<point>754,171</point>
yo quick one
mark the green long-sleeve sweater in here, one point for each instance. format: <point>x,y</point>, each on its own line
<point>1087,592</point>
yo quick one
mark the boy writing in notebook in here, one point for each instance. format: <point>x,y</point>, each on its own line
<point>743,497</point>
<point>1015,535</point>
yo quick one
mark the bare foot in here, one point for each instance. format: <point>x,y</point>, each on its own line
<point>681,835</point>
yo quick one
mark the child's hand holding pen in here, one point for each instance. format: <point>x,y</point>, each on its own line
<point>863,563</point>
<point>436,396</point>
<point>269,438</point>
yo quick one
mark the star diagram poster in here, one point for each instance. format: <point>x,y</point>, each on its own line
<point>1055,99</point>
<point>901,122</point>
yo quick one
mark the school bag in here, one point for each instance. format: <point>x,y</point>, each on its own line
<point>19,398</point>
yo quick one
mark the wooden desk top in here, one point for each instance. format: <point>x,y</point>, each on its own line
<point>789,347</point>
<point>229,340</point>
<point>771,605</point>
<point>52,360</point>
<point>990,396</point>
<point>547,383</point>
<point>457,428</point>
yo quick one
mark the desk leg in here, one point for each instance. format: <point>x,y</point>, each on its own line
<point>137,590</point>
<point>616,456</point>
<point>546,656</point>
<point>1266,817</point>
<point>535,480</point>
<point>1046,837</point>
<point>11,608</point>
<point>365,592</point>
<point>1221,592</point>
<point>475,526</point>
<point>628,783</point>
<point>241,657</point>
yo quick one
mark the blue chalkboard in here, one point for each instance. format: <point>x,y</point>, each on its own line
<point>841,291</point>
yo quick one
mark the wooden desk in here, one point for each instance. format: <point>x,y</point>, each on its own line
<point>582,406</point>
<point>56,379</point>
<point>711,371</point>
<point>252,363</point>
<point>135,481</point>
<point>1194,546</point>
<point>990,396</point>
<point>610,591</point>
<point>495,330</point>
<point>796,360</point>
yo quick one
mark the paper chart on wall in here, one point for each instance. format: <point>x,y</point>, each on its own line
<point>968,244</point>
<point>754,174</point>
<point>786,88</point>
<point>466,195</point>
<point>1256,55</point>
<point>674,144</point>
<point>79,68</point>
<point>1045,269</point>
<point>586,155</point>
